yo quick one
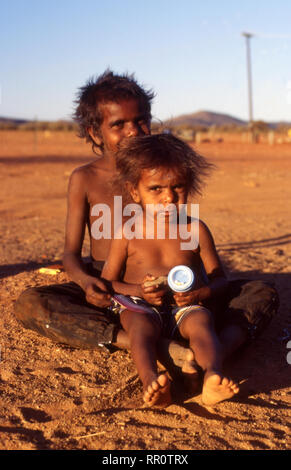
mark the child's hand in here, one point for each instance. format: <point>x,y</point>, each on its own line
<point>192,297</point>
<point>96,292</point>
<point>153,293</point>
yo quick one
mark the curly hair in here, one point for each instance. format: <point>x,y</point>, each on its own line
<point>108,87</point>
<point>159,151</point>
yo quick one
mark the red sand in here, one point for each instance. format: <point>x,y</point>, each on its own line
<point>55,397</point>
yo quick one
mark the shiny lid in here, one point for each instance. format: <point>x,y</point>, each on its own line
<point>181,278</point>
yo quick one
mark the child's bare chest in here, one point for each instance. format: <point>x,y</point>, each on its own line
<point>99,191</point>
<point>159,256</point>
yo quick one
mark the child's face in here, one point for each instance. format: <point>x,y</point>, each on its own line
<point>121,120</point>
<point>160,186</point>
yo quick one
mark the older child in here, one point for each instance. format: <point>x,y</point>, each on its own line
<point>162,171</point>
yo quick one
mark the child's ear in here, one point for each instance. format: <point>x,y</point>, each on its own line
<point>96,138</point>
<point>133,191</point>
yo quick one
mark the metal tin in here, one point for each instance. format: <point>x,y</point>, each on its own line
<point>181,278</point>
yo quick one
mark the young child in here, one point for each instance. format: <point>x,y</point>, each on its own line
<point>162,170</point>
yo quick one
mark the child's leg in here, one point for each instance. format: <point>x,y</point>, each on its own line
<point>144,332</point>
<point>198,328</point>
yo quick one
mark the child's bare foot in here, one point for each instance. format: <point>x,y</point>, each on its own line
<point>158,392</point>
<point>217,388</point>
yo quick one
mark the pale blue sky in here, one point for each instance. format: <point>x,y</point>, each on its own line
<point>190,52</point>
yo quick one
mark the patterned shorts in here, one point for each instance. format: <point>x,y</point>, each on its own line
<point>168,317</point>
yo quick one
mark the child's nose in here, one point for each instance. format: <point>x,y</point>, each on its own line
<point>132,130</point>
<point>169,196</point>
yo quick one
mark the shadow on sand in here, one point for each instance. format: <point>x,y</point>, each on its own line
<point>264,243</point>
<point>7,270</point>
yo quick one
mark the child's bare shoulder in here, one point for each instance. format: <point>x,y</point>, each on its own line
<point>203,226</point>
<point>77,179</point>
<point>82,175</point>
<point>80,182</point>
<point>204,231</point>
<point>85,170</point>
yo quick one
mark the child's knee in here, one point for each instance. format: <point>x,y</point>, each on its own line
<point>195,320</point>
<point>200,315</point>
<point>138,323</point>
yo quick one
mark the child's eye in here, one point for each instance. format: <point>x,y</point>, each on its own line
<point>155,188</point>
<point>117,125</point>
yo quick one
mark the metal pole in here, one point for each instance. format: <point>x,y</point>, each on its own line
<point>249,74</point>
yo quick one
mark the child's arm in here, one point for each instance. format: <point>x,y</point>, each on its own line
<point>114,266</point>
<point>217,279</point>
<point>95,289</point>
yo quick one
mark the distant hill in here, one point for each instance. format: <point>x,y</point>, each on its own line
<point>208,118</point>
<point>205,118</point>
<point>25,124</point>
<point>13,120</point>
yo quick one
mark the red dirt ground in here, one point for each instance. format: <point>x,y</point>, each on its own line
<point>55,397</point>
